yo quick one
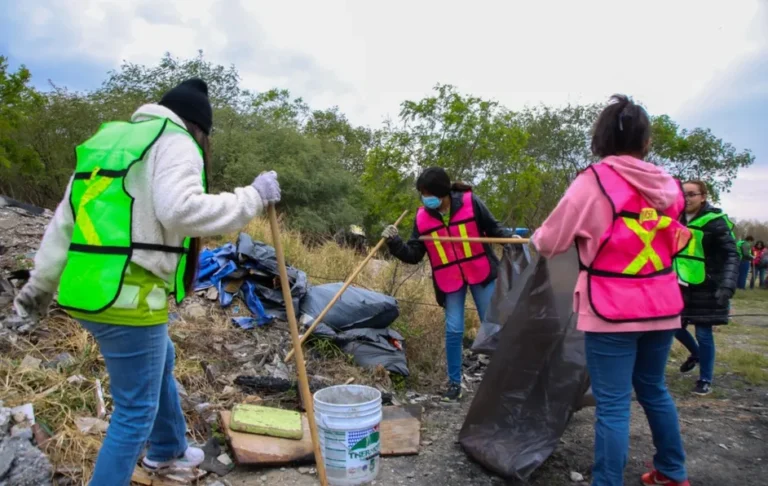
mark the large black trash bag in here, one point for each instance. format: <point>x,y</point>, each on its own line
<point>537,377</point>
<point>261,262</point>
<point>369,347</point>
<point>515,259</point>
<point>356,308</point>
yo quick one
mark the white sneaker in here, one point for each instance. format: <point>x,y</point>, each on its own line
<point>192,458</point>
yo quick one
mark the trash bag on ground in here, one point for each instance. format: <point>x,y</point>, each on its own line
<point>261,262</point>
<point>369,347</point>
<point>249,270</point>
<point>537,378</point>
<point>356,309</point>
<point>515,259</point>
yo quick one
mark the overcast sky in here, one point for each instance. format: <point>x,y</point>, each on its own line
<point>705,63</point>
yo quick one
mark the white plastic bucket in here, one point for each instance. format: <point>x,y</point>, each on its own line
<point>348,419</point>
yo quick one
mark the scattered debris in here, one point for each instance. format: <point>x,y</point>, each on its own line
<point>576,477</point>
<point>212,462</point>
<point>63,360</point>
<point>400,435</point>
<point>24,463</point>
<point>29,363</point>
<point>268,385</point>
<point>101,407</point>
<point>224,459</point>
<point>171,479</point>
<point>91,425</point>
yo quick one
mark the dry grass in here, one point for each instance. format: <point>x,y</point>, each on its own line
<point>57,402</point>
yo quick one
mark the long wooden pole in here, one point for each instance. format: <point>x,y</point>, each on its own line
<point>300,366</point>
<point>484,239</point>
<point>344,287</point>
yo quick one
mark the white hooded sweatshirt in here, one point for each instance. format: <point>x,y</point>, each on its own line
<point>169,205</point>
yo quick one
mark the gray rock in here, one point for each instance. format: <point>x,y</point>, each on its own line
<point>30,466</point>
<point>62,360</point>
<point>22,431</point>
<point>6,459</point>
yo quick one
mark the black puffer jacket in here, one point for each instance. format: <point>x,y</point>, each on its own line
<point>722,267</point>
<point>414,250</point>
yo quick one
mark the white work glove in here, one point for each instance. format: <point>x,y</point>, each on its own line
<point>390,232</point>
<point>267,187</point>
<point>32,301</point>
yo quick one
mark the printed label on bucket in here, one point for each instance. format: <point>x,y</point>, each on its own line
<point>353,454</point>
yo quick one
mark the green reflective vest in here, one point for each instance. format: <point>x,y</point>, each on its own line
<point>690,263</point>
<point>102,246</point>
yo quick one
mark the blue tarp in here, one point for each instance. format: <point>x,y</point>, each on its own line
<point>248,270</point>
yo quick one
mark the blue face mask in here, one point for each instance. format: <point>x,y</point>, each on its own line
<point>431,202</point>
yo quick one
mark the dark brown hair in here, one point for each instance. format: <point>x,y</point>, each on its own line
<point>701,185</point>
<point>435,180</point>
<point>623,128</point>
<point>195,246</point>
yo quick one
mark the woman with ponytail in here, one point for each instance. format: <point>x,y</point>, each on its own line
<point>451,209</point>
<point>623,214</point>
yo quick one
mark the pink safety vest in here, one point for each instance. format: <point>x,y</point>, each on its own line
<point>454,264</point>
<point>631,278</point>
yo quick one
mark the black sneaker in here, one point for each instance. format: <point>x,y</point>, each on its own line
<point>689,364</point>
<point>702,388</point>
<point>453,394</point>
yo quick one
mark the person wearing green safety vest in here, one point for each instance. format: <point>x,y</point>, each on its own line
<point>707,271</point>
<point>125,236</point>
<point>745,253</point>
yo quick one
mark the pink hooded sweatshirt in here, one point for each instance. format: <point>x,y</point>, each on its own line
<point>584,214</point>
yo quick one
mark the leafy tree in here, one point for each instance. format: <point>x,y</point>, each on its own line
<point>697,154</point>
<point>18,101</point>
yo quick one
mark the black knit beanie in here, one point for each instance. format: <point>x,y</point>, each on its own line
<point>189,100</point>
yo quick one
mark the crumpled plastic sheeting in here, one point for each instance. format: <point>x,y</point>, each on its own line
<point>536,378</point>
<point>370,347</point>
<point>356,308</point>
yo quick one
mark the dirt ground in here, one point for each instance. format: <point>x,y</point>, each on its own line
<point>724,433</point>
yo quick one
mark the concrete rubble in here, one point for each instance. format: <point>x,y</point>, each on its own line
<point>21,462</point>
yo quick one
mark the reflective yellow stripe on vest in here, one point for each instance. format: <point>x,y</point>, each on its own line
<point>648,253</point>
<point>467,245</point>
<point>439,248</point>
<point>95,188</point>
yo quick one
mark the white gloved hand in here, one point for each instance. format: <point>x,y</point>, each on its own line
<point>267,187</point>
<point>32,301</point>
<point>390,232</point>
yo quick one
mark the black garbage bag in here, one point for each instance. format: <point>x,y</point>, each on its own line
<point>515,259</point>
<point>369,347</point>
<point>537,377</point>
<point>356,308</point>
<point>261,262</point>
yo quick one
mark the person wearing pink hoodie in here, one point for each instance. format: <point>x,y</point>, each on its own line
<point>623,214</point>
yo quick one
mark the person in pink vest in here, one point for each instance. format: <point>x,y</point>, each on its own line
<point>452,210</point>
<point>623,214</point>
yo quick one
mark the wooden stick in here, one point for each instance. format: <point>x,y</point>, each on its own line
<point>344,287</point>
<point>484,239</point>
<point>300,367</point>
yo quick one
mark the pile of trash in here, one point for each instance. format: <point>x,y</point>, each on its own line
<point>358,323</point>
<point>21,462</point>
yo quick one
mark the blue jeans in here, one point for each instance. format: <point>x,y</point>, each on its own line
<point>743,273</point>
<point>454,323</point>
<point>618,362</point>
<point>704,349</point>
<point>759,275</point>
<point>147,408</point>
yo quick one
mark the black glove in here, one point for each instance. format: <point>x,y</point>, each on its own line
<point>723,296</point>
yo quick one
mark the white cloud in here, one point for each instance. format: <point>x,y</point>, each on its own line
<point>745,201</point>
<point>369,56</point>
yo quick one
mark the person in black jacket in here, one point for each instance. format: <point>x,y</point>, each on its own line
<point>707,304</point>
<point>441,202</point>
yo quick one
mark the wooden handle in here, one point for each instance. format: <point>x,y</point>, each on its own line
<point>344,287</point>
<point>300,366</point>
<point>484,239</point>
